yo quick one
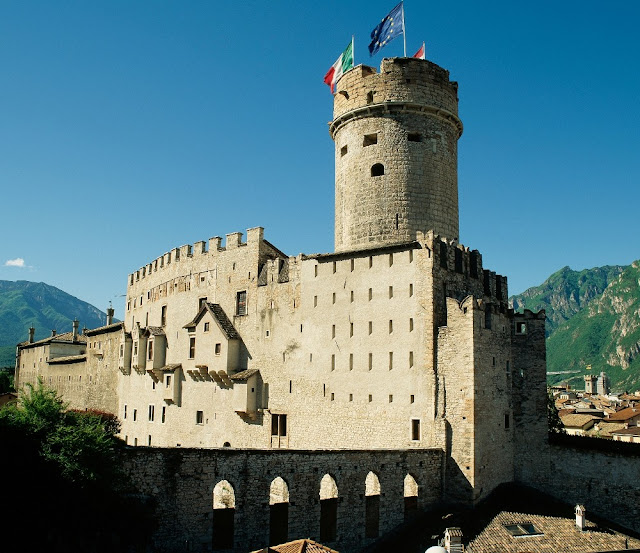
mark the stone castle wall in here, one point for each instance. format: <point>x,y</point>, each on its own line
<point>182,484</point>
<point>395,136</point>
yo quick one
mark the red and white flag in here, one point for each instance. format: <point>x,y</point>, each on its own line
<point>420,53</point>
<point>342,65</point>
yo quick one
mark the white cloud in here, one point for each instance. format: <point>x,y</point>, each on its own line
<point>17,262</point>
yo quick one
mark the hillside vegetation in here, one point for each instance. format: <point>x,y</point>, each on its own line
<point>24,304</point>
<point>593,320</point>
<point>566,292</point>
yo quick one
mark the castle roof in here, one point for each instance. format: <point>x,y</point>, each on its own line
<point>104,329</point>
<point>64,337</point>
<point>297,546</point>
<point>67,359</point>
<point>244,375</point>
<point>219,316</point>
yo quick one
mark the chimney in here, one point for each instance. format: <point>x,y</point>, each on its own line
<point>32,332</point>
<point>75,329</point>
<point>453,540</point>
<point>53,332</point>
<point>110,313</point>
<point>580,517</point>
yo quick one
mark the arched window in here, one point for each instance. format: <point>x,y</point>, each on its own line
<point>372,506</point>
<point>377,170</point>
<point>224,508</point>
<point>278,512</point>
<point>410,496</point>
<point>328,509</point>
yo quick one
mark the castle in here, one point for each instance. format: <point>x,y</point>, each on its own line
<point>399,343</point>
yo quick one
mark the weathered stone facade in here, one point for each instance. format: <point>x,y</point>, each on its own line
<point>397,346</point>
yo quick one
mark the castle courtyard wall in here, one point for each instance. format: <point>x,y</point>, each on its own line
<point>181,483</point>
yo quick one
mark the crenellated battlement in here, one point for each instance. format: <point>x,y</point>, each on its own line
<point>455,258</point>
<point>212,248</point>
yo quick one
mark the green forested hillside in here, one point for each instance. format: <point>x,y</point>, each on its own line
<point>593,319</point>
<point>605,334</point>
<point>23,304</point>
<point>566,292</point>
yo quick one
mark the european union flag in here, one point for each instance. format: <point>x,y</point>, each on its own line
<point>388,29</point>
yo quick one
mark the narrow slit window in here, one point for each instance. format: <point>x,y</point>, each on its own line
<point>414,137</point>
<point>343,151</point>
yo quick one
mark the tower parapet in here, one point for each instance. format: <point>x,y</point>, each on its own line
<point>396,154</point>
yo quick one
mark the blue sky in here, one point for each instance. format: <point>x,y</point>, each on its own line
<point>132,127</point>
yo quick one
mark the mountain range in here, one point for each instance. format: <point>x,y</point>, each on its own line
<point>24,304</point>
<point>593,323</point>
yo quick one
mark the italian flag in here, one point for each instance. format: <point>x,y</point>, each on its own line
<point>342,64</point>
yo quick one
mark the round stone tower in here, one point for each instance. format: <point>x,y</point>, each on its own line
<point>396,135</point>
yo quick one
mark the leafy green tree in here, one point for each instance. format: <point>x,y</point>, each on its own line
<point>6,381</point>
<point>66,467</point>
<point>553,418</point>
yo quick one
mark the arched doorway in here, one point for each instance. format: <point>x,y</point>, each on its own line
<point>278,512</point>
<point>328,509</point>
<point>371,506</point>
<point>224,508</point>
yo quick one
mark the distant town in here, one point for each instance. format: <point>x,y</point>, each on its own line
<point>596,412</point>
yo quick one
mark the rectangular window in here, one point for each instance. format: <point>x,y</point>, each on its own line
<point>201,302</point>
<point>206,327</point>
<point>351,330</point>
<point>163,316</point>
<point>370,139</point>
<point>278,425</point>
<point>334,298</point>
<point>192,347</point>
<point>370,294</point>
<point>350,397</point>
<point>125,412</point>
<point>390,398</point>
<point>218,349</point>
<point>333,331</point>
<point>315,301</point>
<point>370,361</point>
<point>412,399</point>
<point>390,291</point>
<point>521,328</point>
<point>410,359</point>
<point>241,303</point>
<point>353,264</point>
<point>411,324</point>
<point>135,349</point>
<point>333,362</point>
<point>370,327</point>
<point>351,296</point>
<point>152,412</point>
<point>164,415</point>
<point>390,360</point>
<point>390,327</point>
<point>506,421</point>
<point>168,381</point>
<point>150,350</point>
<point>410,290</point>
<point>121,350</point>
<point>415,429</point>
<point>135,415</point>
<point>199,417</point>
<point>351,361</point>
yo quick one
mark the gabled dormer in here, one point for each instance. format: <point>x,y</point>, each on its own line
<point>214,343</point>
<point>156,347</point>
<point>124,352</point>
<point>139,348</point>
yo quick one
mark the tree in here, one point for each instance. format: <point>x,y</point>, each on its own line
<point>66,469</point>
<point>553,418</point>
<point>6,381</point>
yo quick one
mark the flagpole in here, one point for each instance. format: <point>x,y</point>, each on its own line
<point>404,32</point>
<point>353,51</point>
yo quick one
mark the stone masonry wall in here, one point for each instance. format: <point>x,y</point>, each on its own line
<point>182,482</point>
<point>395,136</point>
